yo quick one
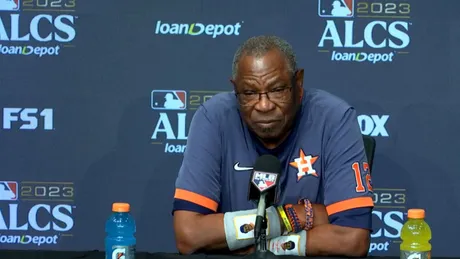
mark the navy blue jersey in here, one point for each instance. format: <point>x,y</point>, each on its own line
<point>323,158</point>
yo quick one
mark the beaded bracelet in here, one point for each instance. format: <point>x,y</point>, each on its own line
<point>293,218</point>
<point>308,213</point>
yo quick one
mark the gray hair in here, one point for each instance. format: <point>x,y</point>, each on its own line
<point>259,46</point>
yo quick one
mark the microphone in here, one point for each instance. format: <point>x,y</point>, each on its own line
<point>262,188</point>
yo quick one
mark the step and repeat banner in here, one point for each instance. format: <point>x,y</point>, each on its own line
<point>96,99</point>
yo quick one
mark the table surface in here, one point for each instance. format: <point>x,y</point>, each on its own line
<point>19,254</point>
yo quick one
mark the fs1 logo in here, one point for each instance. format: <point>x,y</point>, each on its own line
<point>9,5</point>
<point>8,191</point>
<point>373,125</point>
<point>264,180</point>
<point>28,118</point>
<point>169,100</point>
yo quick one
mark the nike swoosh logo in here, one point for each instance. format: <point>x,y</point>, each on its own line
<point>237,167</point>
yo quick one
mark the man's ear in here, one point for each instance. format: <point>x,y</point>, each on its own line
<point>299,78</point>
<point>233,83</point>
<point>299,82</point>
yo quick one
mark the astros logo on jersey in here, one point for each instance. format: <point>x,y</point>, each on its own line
<point>304,165</point>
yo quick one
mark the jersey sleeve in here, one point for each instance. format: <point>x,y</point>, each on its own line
<point>353,218</point>
<point>198,182</point>
<point>347,180</point>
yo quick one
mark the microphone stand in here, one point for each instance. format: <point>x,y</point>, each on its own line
<point>260,234</point>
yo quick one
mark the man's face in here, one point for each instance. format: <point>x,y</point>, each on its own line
<point>287,246</point>
<point>269,117</point>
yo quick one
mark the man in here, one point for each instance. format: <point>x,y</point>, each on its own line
<point>314,134</point>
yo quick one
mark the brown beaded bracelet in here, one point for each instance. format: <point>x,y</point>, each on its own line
<point>308,213</point>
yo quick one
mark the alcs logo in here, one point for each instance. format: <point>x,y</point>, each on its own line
<point>59,218</point>
<point>387,226</point>
<point>28,118</point>
<point>42,28</point>
<point>348,34</point>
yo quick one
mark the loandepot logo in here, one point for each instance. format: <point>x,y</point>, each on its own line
<point>196,29</point>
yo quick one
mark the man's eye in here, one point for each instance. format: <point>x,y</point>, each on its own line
<point>249,92</point>
<point>278,89</point>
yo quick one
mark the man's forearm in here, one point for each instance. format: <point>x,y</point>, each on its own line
<point>231,231</point>
<point>333,240</point>
<point>202,232</point>
<point>319,212</point>
<point>325,239</point>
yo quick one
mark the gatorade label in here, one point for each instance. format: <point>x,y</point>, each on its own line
<point>415,255</point>
<point>123,252</point>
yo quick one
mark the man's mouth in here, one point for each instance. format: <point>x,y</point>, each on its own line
<point>266,123</point>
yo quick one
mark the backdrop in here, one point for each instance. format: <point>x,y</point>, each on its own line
<point>85,122</point>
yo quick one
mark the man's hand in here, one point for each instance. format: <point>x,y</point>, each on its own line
<point>245,251</point>
<point>195,231</point>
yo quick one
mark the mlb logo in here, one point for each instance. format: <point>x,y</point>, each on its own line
<point>336,8</point>
<point>8,191</point>
<point>169,100</point>
<point>264,180</point>
<point>9,5</point>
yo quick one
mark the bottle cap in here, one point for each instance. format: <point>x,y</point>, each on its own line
<point>416,213</point>
<point>120,207</point>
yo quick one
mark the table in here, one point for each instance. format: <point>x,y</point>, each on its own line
<point>18,254</point>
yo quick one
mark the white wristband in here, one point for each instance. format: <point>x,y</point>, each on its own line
<point>239,227</point>
<point>292,244</point>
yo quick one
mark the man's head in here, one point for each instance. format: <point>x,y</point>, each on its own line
<point>269,87</point>
<point>288,245</point>
<point>246,228</point>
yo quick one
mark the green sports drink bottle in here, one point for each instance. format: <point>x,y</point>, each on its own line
<point>416,236</point>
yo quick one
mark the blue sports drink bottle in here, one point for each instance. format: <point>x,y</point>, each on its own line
<point>120,242</point>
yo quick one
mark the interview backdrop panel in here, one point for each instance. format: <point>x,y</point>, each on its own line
<point>97,98</point>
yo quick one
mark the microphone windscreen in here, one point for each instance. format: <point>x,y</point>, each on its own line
<point>268,163</point>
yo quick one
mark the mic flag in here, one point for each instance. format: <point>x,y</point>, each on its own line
<point>265,178</point>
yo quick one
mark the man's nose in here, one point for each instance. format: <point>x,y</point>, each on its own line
<point>264,104</point>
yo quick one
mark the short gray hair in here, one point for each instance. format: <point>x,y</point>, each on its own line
<point>259,46</point>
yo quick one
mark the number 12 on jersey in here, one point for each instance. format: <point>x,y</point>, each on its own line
<point>359,181</point>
